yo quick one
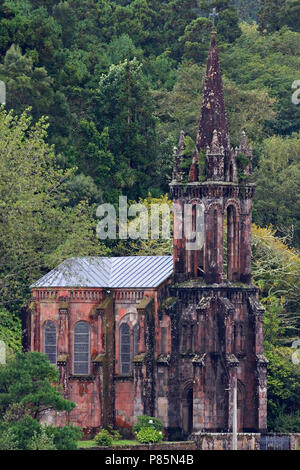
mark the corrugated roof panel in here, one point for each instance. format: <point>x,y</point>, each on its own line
<point>115,272</point>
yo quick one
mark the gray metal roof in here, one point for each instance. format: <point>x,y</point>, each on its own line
<point>129,271</point>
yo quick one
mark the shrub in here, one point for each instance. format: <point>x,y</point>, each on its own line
<point>24,430</point>
<point>114,433</point>
<point>103,438</point>
<point>41,442</point>
<point>146,435</point>
<point>8,440</point>
<point>65,438</point>
<point>144,421</point>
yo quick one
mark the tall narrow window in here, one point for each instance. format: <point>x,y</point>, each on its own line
<point>164,338</point>
<point>231,247</point>
<point>135,340</point>
<point>81,349</point>
<point>125,353</point>
<point>50,341</point>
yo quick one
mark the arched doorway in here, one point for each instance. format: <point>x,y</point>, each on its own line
<point>187,410</point>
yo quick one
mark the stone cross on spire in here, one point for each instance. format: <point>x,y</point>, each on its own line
<point>214,15</point>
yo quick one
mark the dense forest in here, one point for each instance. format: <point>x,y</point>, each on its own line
<point>97,93</point>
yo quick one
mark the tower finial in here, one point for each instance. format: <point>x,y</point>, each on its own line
<point>213,113</point>
<point>214,15</point>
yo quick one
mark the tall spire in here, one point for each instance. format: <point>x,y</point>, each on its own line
<point>213,113</point>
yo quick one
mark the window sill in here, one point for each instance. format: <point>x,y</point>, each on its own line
<point>83,378</point>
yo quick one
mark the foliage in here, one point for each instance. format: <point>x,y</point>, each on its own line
<point>149,435</point>
<point>125,105</point>
<point>276,271</point>
<point>10,331</point>
<point>274,14</point>
<point>103,438</point>
<point>277,199</point>
<point>114,433</point>
<point>26,433</point>
<point>38,228</point>
<point>8,440</point>
<point>64,438</point>
<point>29,380</point>
<point>286,423</point>
<point>247,10</point>
<point>41,441</point>
<point>22,430</point>
<point>159,246</point>
<point>145,421</point>
<point>283,390</point>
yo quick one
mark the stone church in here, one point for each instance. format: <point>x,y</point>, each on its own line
<point>167,336</point>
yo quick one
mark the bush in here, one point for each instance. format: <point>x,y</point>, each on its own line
<point>144,421</point>
<point>41,442</point>
<point>114,433</point>
<point>65,438</point>
<point>103,438</point>
<point>8,440</point>
<point>146,435</point>
<point>24,431</point>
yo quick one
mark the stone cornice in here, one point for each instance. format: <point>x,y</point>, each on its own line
<point>212,189</point>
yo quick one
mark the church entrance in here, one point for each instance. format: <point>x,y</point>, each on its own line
<point>187,410</point>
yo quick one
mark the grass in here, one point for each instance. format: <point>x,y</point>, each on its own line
<point>92,443</point>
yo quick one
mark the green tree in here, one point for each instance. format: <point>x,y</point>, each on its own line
<point>290,14</point>
<point>26,84</point>
<point>268,15</point>
<point>283,390</point>
<point>29,381</point>
<point>196,39</point>
<point>10,331</point>
<point>94,158</point>
<point>38,228</point>
<point>125,106</point>
<point>277,199</point>
<point>65,15</point>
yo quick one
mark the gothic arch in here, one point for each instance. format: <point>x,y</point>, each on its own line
<point>127,336</point>
<point>213,205</point>
<point>232,202</point>
<point>130,316</point>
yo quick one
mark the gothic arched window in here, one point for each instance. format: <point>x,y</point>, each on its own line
<point>81,349</point>
<point>50,341</point>
<point>125,349</point>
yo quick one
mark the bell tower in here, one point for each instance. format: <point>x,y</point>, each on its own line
<point>215,315</point>
<point>224,193</point>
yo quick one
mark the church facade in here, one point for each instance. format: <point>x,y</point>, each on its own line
<point>167,336</point>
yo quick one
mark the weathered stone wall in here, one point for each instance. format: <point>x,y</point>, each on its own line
<point>223,441</point>
<point>246,441</point>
